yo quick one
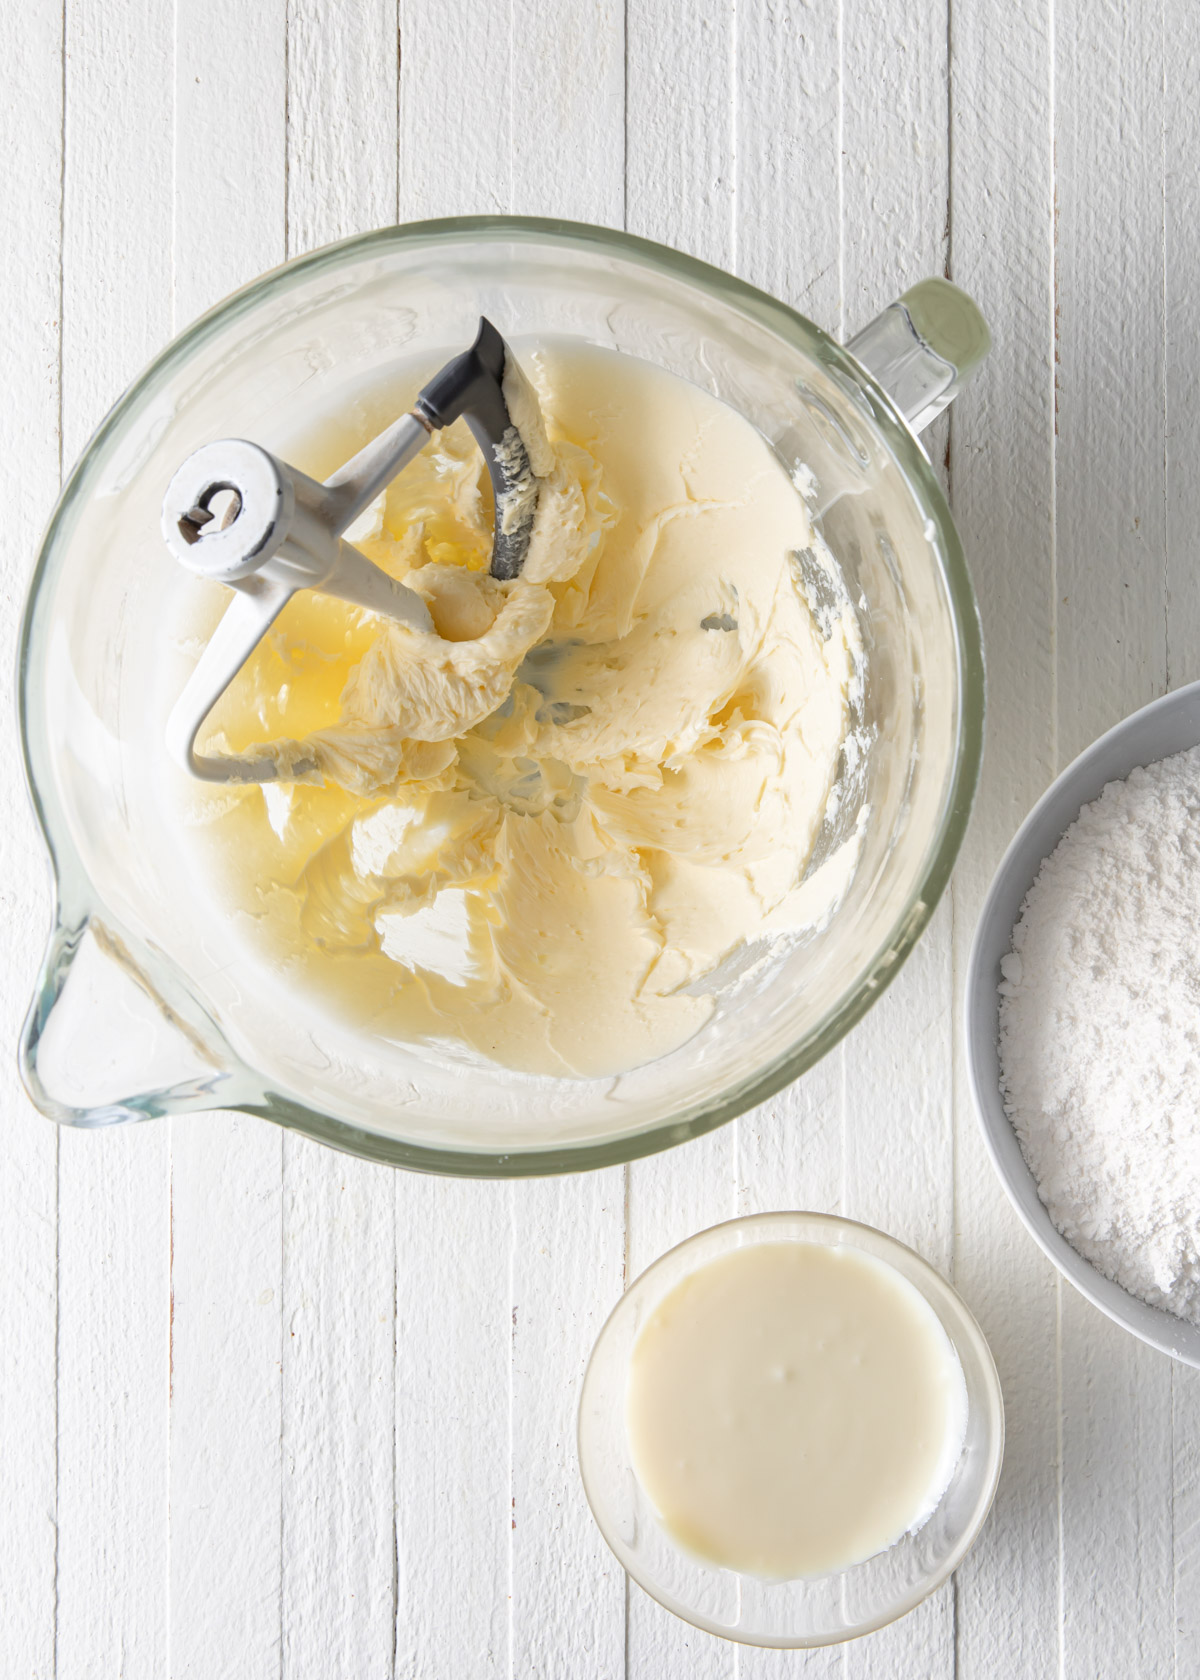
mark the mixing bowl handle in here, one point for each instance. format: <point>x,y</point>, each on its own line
<point>924,348</point>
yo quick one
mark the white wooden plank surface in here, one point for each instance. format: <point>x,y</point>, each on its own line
<point>454,1342</point>
<point>113,1207</point>
<point>30,220</point>
<point>351,1453</point>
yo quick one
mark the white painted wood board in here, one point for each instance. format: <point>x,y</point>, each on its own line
<point>30,432</point>
<point>114,1286</point>
<point>267,1411</point>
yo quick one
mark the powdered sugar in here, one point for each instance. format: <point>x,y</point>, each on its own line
<point>1100,1033</point>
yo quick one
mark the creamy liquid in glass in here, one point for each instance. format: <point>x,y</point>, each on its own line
<point>794,1409</point>
<point>538,833</point>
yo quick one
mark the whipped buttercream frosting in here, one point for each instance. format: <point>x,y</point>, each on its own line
<point>536,833</point>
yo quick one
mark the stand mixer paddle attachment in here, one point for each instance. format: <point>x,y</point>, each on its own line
<point>238,515</point>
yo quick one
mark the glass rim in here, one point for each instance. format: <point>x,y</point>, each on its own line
<point>934,1289</point>
<point>73,886</point>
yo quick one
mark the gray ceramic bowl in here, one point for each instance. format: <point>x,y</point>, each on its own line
<point>1166,726</point>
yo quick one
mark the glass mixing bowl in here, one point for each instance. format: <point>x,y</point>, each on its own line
<point>149,1003</point>
<point>813,1611</point>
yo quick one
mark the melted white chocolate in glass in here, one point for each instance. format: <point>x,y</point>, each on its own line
<point>794,1409</point>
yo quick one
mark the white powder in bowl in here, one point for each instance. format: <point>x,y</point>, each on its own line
<point>1100,1033</point>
